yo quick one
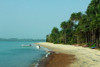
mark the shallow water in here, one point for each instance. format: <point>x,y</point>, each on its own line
<point>12,54</point>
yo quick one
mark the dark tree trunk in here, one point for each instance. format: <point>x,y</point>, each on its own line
<point>65,35</point>
<point>86,38</point>
<point>97,38</point>
<point>89,36</point>
<point>92,37</point>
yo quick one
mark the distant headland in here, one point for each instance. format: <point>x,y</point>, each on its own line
<point>16,39</point>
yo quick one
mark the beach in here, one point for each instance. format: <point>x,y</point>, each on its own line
<point>52,60</point>
<point>84,56</point>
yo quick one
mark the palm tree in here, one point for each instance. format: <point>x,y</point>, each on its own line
<point>76,16</point>
<point>63,25</point>
<point>93,11</point>
<point>61,36</point>
<point>70,24</point>
<point>54,35</point>
<point>55,30</point>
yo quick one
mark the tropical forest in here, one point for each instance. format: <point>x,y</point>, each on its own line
<point>82,29</point>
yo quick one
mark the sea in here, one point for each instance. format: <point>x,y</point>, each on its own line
<point>12,54</point>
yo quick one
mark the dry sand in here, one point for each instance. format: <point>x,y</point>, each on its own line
<point>86,57</point>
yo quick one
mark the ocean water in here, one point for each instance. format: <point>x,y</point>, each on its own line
<point>12,54</point>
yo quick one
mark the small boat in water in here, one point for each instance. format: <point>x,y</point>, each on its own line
<point>38,47</point>
<point>26,45</point>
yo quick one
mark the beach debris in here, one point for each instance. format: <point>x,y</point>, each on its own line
<point>77,45</point>
<point>85,46</point>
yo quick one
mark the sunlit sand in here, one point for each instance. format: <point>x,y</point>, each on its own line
<point>86,57</point>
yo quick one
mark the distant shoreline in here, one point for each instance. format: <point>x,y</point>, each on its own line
<point>15,39</point>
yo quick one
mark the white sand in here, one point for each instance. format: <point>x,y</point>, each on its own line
<point>86,57</point>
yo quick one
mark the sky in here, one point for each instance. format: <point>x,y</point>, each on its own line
<point>35,18</point>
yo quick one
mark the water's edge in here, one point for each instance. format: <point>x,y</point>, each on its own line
<point>45,55</point>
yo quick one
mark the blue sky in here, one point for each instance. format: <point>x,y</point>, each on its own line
<point>35,18</point>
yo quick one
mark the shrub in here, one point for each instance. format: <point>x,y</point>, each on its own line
<point>60,42</point>
<point>71,40</point>
<point>93,45</point>
<point>83,44</point>
<point>55,42</point>
<point>89,44</point>
<point>99,41</point>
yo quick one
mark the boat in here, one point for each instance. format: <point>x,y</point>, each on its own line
<point>26,45</point>
<point>94,47</point>
<point>38,47</point>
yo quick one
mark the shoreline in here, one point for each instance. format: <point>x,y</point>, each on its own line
<point>85,57</point>
<point>35,64</point>
<point>53,61</point>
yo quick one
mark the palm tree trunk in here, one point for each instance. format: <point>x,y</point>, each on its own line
<point>86,38</point>
<point>89,36</point>
<point>92,37</point>
<point>65,35</point>
<point>97,38</point>
<point>77,40</point>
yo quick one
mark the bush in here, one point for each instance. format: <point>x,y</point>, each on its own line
<point>89,44</point>
<point>55,42</point>
<point>60,42</point>
<point>99,41</point>
<point>93,45</point>
<point>71,40</point>
<point>83,44</point>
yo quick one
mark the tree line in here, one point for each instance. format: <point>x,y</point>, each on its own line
<point>87,30</point>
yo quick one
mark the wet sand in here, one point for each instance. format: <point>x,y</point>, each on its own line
<point>57,60</point>
<point>86,57</point>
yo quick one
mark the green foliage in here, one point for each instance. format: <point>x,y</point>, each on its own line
<point>93,45</point>
<point>54,36</point>
<point>60,42</point>
<point>99,41</point>
<point>63,25</point>
<point>89,44</point>
<point>55,30</point>
<point>81,32</point>
<point>55,42</point>
<point>71,40</point>
<point>47,38</point>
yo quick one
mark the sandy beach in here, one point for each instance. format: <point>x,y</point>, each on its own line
<point>86,57</point>
<point>52,60</point>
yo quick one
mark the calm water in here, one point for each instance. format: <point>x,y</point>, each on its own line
<point>12,54</point>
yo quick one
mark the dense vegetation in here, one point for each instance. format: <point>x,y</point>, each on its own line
<point>87,30</point>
